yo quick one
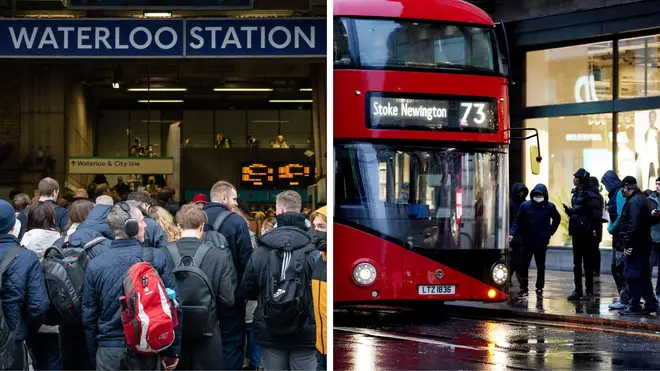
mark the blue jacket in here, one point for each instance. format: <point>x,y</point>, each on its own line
<point>95,225</point>
<point>536,222</point>
<point>61,217</point>
<point>515,200</point>
<point>24,298</point>
<point>655,228</point>
<point>103,287</point>
<point>616,200</point>
<point>236,232</point>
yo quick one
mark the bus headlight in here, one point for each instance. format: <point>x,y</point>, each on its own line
<point>364,274</point>
<point>500,273</point>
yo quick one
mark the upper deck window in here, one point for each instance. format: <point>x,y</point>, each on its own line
<point>422,45</point>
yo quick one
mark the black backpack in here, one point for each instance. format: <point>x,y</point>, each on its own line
<point>287,296</point>
<point>7,343</point>
<point>215,238</point>
<point>196,291</point>
<point>64,272</point>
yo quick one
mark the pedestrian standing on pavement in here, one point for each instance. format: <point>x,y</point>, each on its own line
<point>595,263</point>
<point>519,193</point>
<point>284,318</point>
<point>654,199</point>
<point>319,220</point>
<point>235,230</point>
<point>635,238</point>
<point>614,207</point>
<point>201,352</point>
<point>585,216</point>
<point>536,222</point>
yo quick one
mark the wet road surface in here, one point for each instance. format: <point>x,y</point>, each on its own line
<point>379,342</point>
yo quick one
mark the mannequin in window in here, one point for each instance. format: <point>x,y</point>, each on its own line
<point>221,141</point>
<point>280,142</point>
<point>652,152</point>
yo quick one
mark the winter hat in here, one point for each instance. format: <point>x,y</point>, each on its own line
<point>582,173</point>
<point>7,217</point>
<point>629,181</point>
<point>323,211</point>
<point>200,198</point>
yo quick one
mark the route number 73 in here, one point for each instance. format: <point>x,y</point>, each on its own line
<point>479,117</point>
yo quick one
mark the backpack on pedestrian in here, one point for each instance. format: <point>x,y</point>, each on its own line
<point>215,238</point>
<point>147,314</point>
<point>64,273</point>
<point>287,295</point>
<point>7,343</point>
<point>196,292</point>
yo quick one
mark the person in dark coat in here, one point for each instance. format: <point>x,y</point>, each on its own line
<point>24,298</point>
<point>49,191</point>
<point>536,222</point>
<point>518,195</point>
<point>282,352</point>
<point>585,221</point>
<point>635,238</point>
<point>235,230</point>
<point>205,353</point>
<point>595,186</point>
<point>614,207</point>
<point>101,291</point>
<point>155,235</point>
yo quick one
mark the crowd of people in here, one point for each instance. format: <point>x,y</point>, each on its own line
<point>231,292</point>
<point>632,217</point>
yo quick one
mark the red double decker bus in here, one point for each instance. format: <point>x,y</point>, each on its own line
<point>421,132</point>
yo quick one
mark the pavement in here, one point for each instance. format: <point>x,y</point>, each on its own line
<point>404,342</point>
<point>554,307</point>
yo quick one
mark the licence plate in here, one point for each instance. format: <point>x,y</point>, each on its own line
<point>436,289</point>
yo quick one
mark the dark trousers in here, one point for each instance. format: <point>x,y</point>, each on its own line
<point>20,361</point>
<point>596,262</point>
<point>618,265</point>
<point>515,252</point>
<point>638,278</point>
<point>45,348</point>
<point>253,353</point>
<point>655,261</point>
<point>74,355</point>
<point>202,354</point>
<point>538,252</point>
<point>120,358</point>
<point>321,361</point>
<point>232,326</point>
<point>583,250</point>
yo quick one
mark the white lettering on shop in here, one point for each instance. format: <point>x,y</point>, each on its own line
<point>584,137</point>
<point>101,35</point>
<point>231,37</point>
<point>409,110</point>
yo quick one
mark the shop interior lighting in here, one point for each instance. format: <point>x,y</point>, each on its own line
<point>291,101</point>
<point>157,14</point>
<point>115,85</point>
<point>305,89</point>
<point>157,89</point>
<point>161,101</point>
<point>242,89</point>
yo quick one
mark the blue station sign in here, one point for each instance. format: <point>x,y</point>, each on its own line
<point>158,38</point>
<point>161,4</point>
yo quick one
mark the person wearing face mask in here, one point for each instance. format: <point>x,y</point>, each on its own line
<point>536,222</point>
<point>319,220</point>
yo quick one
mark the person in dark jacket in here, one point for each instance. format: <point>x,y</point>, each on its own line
<point>282,352</point>
<point>101,291</point>
<point>167,197</point>
<point>536,222</point>
<point>654,200</point>
<point>155,235</point>
<point>595,186</point>
<point>24,298</point>
<point>121,187</point>
<point>235,230</point>
<point>585,220</point>
<point>205,353</point>
<point>519,193</point>
<point>615,204</point>
<point>635,238</point>
<point>49,191</point>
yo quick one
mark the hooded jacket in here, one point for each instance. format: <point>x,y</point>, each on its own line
<point>515,200</point>
<point>94,226</point>
<point>635,226</point>
<point>587,209</point>
<point>290,232</point>
<point>24,297</point>
<point>615,201</point>
<point>38,240</point>
<point>536,222</point>
<point>319,292</point>
<point>655,204</point>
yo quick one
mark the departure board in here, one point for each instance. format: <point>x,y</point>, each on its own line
<point>294,175</point>
<point>256,175</point>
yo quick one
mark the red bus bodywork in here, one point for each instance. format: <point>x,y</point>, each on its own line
<point>401,270</point>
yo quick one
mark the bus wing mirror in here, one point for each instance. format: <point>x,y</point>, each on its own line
<point>534,151</point>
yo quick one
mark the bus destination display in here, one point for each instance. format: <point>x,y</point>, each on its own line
<point>295,175</point>
<point>453,114</point>
<point>256,175</point>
